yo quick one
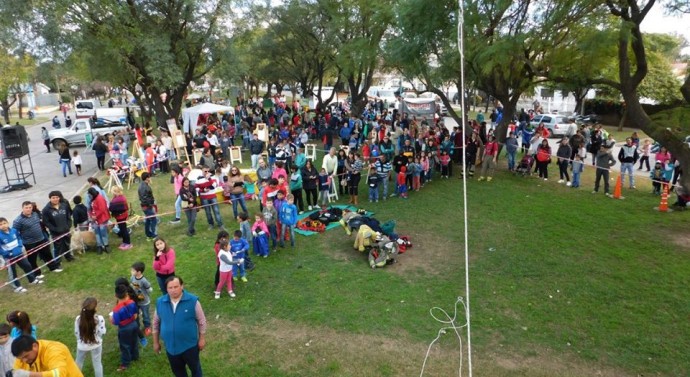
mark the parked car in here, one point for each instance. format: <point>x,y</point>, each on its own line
<point>558,125</point>
<point>81,130</point>
<point>86,108</point>
<point>440,107</point>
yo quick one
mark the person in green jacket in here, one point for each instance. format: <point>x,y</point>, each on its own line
<point>296,186</point>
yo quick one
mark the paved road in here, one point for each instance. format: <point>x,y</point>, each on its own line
<point>47,172</point>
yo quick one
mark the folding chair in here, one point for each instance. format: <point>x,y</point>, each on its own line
<point>310,151</point>
<point>235,154</point>
<point>332,192</point>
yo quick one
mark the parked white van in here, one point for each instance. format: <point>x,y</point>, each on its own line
<point>86,108</point>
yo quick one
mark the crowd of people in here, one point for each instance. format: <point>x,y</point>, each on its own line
<point>372,149</point>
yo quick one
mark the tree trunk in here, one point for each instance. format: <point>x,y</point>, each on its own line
<point>5,111</point>
<point>621,122</point>
<point>509,109</point>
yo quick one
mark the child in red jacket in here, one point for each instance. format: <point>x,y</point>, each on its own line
<point>402,182</point>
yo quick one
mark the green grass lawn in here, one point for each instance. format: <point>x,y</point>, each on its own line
<point>564,283</point>
<point>29,122</point>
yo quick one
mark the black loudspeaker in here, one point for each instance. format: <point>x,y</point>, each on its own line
<point>15,143</point>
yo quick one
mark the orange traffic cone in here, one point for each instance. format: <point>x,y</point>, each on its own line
<point>663,205</point>
<point>617,189</point>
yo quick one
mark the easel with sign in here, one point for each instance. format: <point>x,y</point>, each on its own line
<point>178,139</point>
<point>135,158</point>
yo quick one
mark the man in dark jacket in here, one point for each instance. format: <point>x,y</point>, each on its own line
<point>57,217</point>
<point>148,205</point>
<point>29,225</point>
<point>256,147</point>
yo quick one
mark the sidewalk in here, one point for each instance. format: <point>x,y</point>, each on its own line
<point>47,172</point>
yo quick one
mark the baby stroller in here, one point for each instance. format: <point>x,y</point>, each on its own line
<point>525,166</point>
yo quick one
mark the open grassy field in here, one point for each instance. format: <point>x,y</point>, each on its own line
<point>564,283</point>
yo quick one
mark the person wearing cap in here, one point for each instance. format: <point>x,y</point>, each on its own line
<point>657,177</point>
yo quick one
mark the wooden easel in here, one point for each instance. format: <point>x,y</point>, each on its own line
<point>113,180</point>
<point>178,139</point>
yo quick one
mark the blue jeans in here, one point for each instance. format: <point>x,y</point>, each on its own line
<point>212,210</point>
<point>374,194</point>
<point>178,207</point>
<point>576,180</point>
<point>191,220</point>
<point>273,232</point>
<point>146,315</point>
<point>384,180</point>
<point>101,231</point>
<point>255,161</point>
<point>283,229</point>
<point>627,167</point>
<point>239,269</point>
<point>150,222</point>
<point>66,165</point>
<point>238,198</point>
<point>128,338</point>
<point>24,264</point>
<point>511,160</point>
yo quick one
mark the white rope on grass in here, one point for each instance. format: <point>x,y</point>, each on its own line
<point>449,323</point>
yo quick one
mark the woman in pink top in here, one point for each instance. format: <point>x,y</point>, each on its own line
<point>662,156</point>
<point>163,262</point>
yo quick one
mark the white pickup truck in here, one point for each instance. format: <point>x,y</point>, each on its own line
<point>83,130</point>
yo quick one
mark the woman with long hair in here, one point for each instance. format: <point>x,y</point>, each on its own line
<point>163,262</point>
<point>21,324</point>
<point>89,328</point>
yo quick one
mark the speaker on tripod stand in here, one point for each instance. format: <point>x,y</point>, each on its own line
<point>15,145</point>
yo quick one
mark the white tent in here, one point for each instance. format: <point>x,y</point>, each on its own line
<point>190,116</point>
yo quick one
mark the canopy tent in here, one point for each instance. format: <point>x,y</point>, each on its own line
<point>190,115</point>
<point>193,96</point>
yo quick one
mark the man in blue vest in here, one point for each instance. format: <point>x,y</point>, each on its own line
<point>181,323</point>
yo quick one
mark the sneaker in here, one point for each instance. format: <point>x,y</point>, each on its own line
<point>560,181</point>
<point>175,220</point>
<point>121,368</point>
<point>633,187</point>
<point>310,208</point>
<point>125,246</point>
<point>244,279</point>
<point>480,179</point>
<point>143,342</point>
<point>568,184</point>
<point>232,294</point>
<point>234,278</point>
<point>37,282</point>
<point>41,276</point>
<point>150,239</point>
<point>546,179</point>
<point>300,212</point>
<point>488,179</point>
<point>20,290</point>
<point>609,195</point>
<point>58,270</point>
<point>216,295</point>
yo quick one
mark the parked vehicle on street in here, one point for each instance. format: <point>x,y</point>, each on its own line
<point>83,131</point>
<point>86,108</point>
<point>558,125</point>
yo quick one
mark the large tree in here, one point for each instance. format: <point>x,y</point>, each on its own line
<point>633,67</point>
<point>357,28</point>
<point>15,78</point>
<point>509,45</point>
<point>155,46</point>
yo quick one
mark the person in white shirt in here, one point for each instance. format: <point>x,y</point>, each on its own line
<point>89,328</point>
<point>330,162</point>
